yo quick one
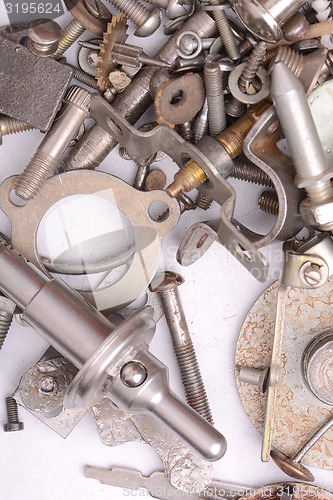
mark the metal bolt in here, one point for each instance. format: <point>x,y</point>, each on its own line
<point>48,385</point>
<point>133,374</point>
<point>185,131</point>
<point>269,202</point>
<point>244,170</point>
<point>13,423</point>
<point>146,21</point>
<point>225,30</point>
<point>7,309</point>
<point>215,98</point>
<point>167,286</point>
<point>292,465</point>
<point>253,64</point>
<point>80,75</point>
<point>55,142</point>
<point>200,123</point>
<point>10,126</point>
<point>43,37</point>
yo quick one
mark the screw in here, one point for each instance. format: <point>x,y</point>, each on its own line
<point>48,385</point>
<point>167,286</point>
<point>185,131</point>
<point>311,274</point>
<point>292,465</point>
<point>147,21</point>
<point>200,123</point>
<point>80,75</point>
<point>269,202</point>
<point>244,170</point>
<point>253,64</point>
<point>215,98</point>
<point>7,309</point>
<point>13,423</point>
<point>10,126</point>
<point>55,142</point>
<point>225,31</point>
<point>191,175</point>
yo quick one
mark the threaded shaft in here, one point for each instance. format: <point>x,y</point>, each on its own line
<point>83,77</point>
<point>134,10</point>
<point>269,202</point>
<point>226,34</point>
<point>215,98</point>
<point>252,66</point>
<point>247,171</point>
<point>293,60</point>
<point>203,202</point>
<point>12,412</point>
<point>124,154</point>
<point>245,47</point>
<point>185,131</point>
<point>320,192</point>
<point>69,36</point>
<point>270,54</point>
<point>200,123</point>
<point>34,175</point>
<point>10,125</point>
<point>5,322</point>
<point>187,178</point>
<point>192,380</point>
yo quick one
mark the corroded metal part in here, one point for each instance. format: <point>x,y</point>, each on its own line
<point>300,413</point>
<point>95,24</point>
<point>184,469</point>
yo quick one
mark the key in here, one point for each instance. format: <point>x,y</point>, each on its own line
<point>159,487</point>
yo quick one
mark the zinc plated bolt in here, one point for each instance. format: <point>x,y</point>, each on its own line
<point>167,286</point>
<point>215,98</point>
<point>10,126</point>
<point>55,142</point>
<point>292,465</point>
<point>146,21</point>
<point>225,30</point>
<point>13,423</point>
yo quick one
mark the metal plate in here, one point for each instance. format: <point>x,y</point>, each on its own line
<point>299,413</point>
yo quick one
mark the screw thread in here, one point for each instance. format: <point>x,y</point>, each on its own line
<point>12,412</point>
<point>134,10</point>
<point>34,175</point>
<point>247,171</point>
<point>268,202</point>
<point>245,47</point>
<point>320,192</point>
<point>293,60</point>
<point>83,77</point>
<point>5,322</point>
<point>69,36</point>
<point>203,202</point>
<point>185,131</point>
<point>187,178</point>
<point>226,34</point>
<point>192,380</point>
<point>10,126</point>
<point>252,66</point>
<point>200,123</point>
<point>215,98</point>
<point>124,154</point>
<point>269,56</point>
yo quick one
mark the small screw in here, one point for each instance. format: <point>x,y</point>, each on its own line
<point>13,423</point>
<point>312,274</point>
<point>48,385</point>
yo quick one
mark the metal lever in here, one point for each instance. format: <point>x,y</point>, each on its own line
<point>112,361</point>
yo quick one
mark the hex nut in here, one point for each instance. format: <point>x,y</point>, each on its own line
<point>317,214</point>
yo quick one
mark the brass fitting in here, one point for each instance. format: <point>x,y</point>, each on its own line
<point>191,175</point>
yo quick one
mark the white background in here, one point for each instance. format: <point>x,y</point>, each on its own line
<point>37,464</point>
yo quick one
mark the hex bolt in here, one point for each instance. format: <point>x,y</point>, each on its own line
<point>225,31</point>
<point>191,175</point>
<point>215,98</point>
<point>244,170</point>
<point>167,286</point>
<point>55,142</point>
<point>252,66</point>
<point>10,126</point>
<point>312,170</point>
<point>254,376</point>
<point>269,202</point>
<point>13,423</point>
<point>146,21</point>
<point>43,37</point>
<point>7,309</point>
<point>292,465</point>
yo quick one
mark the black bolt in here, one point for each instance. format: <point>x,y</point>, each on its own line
<point>13,423</point>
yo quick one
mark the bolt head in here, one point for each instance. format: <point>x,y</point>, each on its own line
<point>133,374</point>
<point>166,281</point>
<point>312,274</point>
<point>150,25</point>
<point>48,385</point>
<point>13,426</point>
